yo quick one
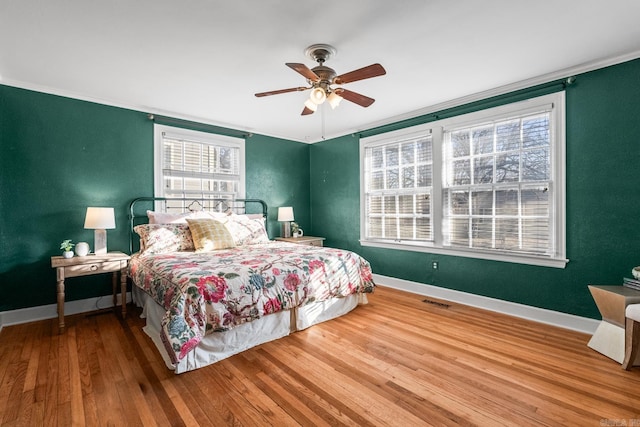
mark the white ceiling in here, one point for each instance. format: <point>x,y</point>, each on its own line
<point>203,60</point>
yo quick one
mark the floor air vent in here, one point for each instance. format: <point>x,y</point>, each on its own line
<point>439,304</point>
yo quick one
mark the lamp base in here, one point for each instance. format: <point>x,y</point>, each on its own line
<point>100,242</point>
<point>286,229</point>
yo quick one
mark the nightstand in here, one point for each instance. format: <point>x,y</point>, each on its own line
<point>112,262</point>
<point>304,240</point>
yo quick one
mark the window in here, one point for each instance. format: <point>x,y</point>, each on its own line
<point>398,177</point>
<point>488,184</point>
<point>198,164</point>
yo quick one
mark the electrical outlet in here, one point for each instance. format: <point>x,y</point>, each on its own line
<point>434,265</point>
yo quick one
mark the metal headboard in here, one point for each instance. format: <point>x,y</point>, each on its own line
<point>138,208</point>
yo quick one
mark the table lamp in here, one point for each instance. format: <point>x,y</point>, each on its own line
<point>100,220</point>
<point>285,216</point>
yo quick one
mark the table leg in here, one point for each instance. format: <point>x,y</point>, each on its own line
<point>123,290</point>
<point>60,291</point>
<point>114,282</point>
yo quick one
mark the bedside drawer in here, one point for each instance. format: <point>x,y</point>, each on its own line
<point>304,240</point>
<point>93,268</point>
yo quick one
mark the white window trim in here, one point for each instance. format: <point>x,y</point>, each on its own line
<point>437,129</point>
<point>197,136</point>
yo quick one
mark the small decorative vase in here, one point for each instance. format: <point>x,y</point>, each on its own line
<point>67,254</point>
<point>82,249</point>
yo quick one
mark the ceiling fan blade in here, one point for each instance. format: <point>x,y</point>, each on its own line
<point>356,98</point>
<point>304,70</point>
<point>277,92</point>
<point>373,70</point>
<point>306,111</point>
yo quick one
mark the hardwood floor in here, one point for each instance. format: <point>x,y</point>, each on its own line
<point>396,361</point>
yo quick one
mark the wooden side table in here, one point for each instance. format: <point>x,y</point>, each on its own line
<point>303,240</point>
<point>612,302</point>
<point>112,262</point>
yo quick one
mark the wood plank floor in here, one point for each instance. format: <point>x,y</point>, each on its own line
<point>397,361</point>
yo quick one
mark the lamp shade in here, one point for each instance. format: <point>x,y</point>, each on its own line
<point>100,219</point>
<point>285,214</point>
<point>334,100</point>
<point>317,95</point>
<point>311,105</point>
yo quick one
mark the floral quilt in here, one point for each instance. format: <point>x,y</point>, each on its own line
<point>215,291</point>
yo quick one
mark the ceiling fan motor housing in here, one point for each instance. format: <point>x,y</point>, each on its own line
<point>325,73</point>
<point>320,53</point>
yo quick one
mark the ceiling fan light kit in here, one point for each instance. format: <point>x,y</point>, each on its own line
<point>334,100</point>
<point>310,105</point>
<point>318,95</point>
<point>321,78</point>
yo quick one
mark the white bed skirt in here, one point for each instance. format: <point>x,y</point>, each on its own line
<point>312,314</point>
<point>220,345</point>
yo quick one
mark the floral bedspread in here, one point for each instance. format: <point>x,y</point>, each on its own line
<point>215,291</point>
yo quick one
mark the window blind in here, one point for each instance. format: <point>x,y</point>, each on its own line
<point>192,168</point>
<point>398,185</point>
<point>497,189</point>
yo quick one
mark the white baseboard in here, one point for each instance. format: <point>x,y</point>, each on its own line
<point>549,317</point>
<point>50,311</point>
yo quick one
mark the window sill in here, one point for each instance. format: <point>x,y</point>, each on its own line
<point>492,256</point>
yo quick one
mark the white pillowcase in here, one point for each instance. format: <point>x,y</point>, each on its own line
<point>246,230</point>
<point>181,218</point>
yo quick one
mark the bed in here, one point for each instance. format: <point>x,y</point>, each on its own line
<point>211,284</point>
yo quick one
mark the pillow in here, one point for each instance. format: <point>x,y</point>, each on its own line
<point>167,218</point>
<point>209,235</point>
<point>253,216</point>
<point>180,218</point>
<point>163,238</point>
<point>247,231</point>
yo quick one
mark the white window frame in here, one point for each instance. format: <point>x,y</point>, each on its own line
<point>437,128</point>
<point>195,136</point>
<point>399,138</point>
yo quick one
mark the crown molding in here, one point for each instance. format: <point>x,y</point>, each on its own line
<point>501,90</point>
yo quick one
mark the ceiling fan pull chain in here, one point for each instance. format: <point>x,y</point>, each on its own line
<point>322,113</point>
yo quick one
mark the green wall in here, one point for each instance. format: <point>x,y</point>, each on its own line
<point>278,173</point>
<point>59,155</point>
<point>603,154</point>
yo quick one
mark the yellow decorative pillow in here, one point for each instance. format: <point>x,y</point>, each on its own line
<point>209,235</point>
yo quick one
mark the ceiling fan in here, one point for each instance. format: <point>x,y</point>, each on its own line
<point>322,77</point>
